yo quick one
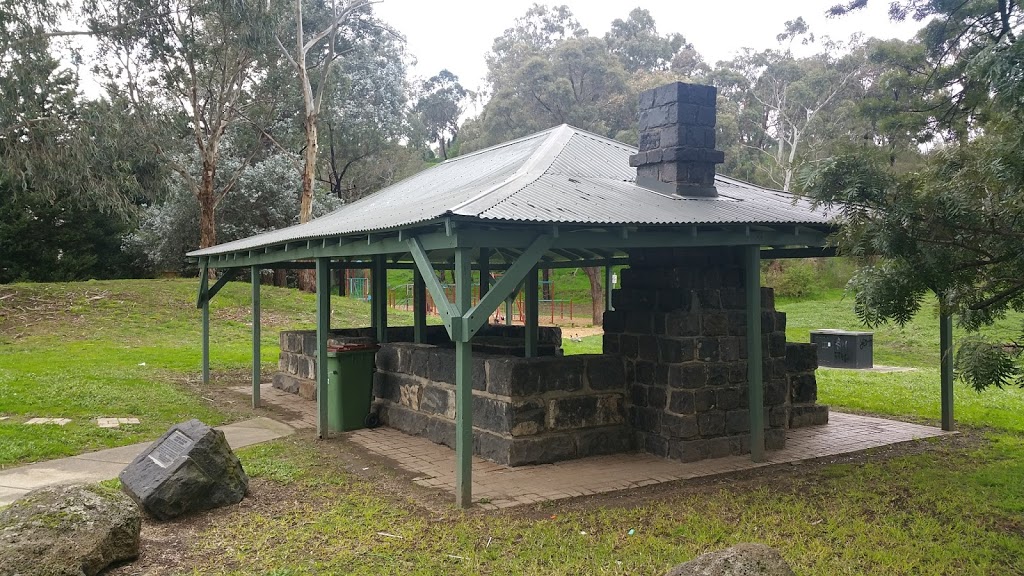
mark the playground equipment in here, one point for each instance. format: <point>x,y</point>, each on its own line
<point>400,297</point>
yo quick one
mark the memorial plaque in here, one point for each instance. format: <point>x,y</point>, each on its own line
<point>170,449</point>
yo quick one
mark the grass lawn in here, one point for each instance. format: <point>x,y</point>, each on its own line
<point>948,506</point>
<point>130,349</point>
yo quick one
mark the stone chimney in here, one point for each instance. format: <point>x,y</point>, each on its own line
<point>677,140</point>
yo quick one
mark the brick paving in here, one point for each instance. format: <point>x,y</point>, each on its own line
<point>497,486</point>
<point>302,412</point>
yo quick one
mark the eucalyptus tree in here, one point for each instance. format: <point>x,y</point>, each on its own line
<point>577,81</point>
<point>440,107</point>
<point>636,43</point>
<point>335,28</point>
<point>786,104</point>
<point>366,114</point>
<point>532,33</point>
<point>312,37</point>
<point>49,136</point>
<point>185,68</point>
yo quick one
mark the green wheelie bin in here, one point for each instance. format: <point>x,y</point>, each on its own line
<point>350,386</point>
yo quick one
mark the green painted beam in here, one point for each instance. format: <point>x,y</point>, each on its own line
<point>351,247</point>
<point>323,329</point>
<point>206,341</point>
<point>568,239</point>
<point>596,262</point>
<point>444,307</point>
<point>532,310</point>
<point>218,285</point>
<point>755,376</point>
<point>374,320</point>
<point>608,287</point>
<point>204,283</point>
<point>419,307</point>
<point>782,253</point>
<point>203,303</point>
<point>463,385</point>
<point>255,281</point>
<point>946,372</point>
<point>506,285</point>
<point>485,271</point>
<point>379,301</point>
<point>677,237</point>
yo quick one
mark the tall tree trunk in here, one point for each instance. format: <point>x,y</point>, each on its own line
<point>788,183</point>
<point>308,170</point>
<point>545,291</point>
<point>596,294</point>
<point>280,278</point>
<point>307,278</point>
<point>207,207</point>
<point>207,210</point>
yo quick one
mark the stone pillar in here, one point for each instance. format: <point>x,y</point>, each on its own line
<point>680,324</point>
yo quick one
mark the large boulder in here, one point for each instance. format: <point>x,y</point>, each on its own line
<point>189,469</point>
<point>71,530</point>
<point>739,560</point>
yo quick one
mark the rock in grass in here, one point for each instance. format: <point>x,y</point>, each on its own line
<point>189,469</point>
<point>71,530</point>
<point>739,560</point>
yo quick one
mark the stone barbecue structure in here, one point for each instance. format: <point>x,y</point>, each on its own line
<point>674,378</point>
<point>296,365</point>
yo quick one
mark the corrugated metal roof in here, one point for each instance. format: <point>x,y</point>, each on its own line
<point>561,175</point>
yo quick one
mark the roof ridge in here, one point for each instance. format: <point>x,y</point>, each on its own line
<point>603,139</point>
<point>534,167</point>
<point>497,146</point>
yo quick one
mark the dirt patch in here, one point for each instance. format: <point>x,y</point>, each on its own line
<point>169,547</point>
<point>174,547</point>
<point>581,332</point>
<point>22,311</point>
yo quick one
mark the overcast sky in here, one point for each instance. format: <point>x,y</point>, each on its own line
<point>455,34</point>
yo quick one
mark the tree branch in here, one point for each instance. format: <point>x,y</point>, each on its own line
<point>1000,297</point>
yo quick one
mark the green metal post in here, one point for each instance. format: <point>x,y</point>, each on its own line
<point>255,281</point>
<point>463,385</point>
<point>419,307</point>
<point>946,347</point>
<point>323,329</point>
<point>204,302</point>
<point>755,380</point>
<point>485,271</point>
<point>509,303</point>
<point>371,291</point>
<point>608,288</point>
<point>380,297</point>
<point>532,313</point>
<point>206,340</point>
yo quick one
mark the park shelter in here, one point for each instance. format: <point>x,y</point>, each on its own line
<point>563,197</point>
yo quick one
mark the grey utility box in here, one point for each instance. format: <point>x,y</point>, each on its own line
<point>843,349</point>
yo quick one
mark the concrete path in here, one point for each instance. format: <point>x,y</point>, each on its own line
<point>107,464</point>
